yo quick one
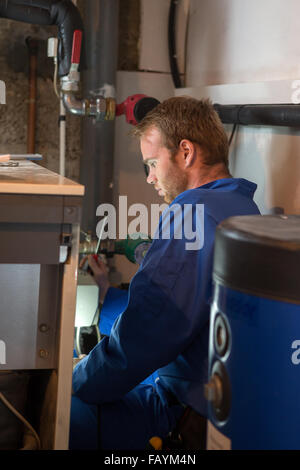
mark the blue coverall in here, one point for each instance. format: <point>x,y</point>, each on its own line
<point>164,328</point>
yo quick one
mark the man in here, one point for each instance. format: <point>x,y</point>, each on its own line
<point>165,322</point>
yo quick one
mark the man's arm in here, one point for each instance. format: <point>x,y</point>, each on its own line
<point>167,308</point>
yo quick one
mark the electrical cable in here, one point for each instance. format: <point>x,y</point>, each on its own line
<point>21,418</point>
<point>55,78</point>
<point>85,331</point>
<point>172,44</point>
<point>96,317</point>
<point>234,129</point>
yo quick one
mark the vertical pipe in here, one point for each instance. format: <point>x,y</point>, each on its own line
<point>62,138</point>
<point>32,45</point>
<point>96,168</point>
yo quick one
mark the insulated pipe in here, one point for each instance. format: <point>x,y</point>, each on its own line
<point>260,114</point>
<point>62,13</point>
<point>96,169</point>
<point>33,50</point>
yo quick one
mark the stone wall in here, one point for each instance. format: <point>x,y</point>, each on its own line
<point>13,116</point>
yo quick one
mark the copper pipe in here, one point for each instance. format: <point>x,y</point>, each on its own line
<point>32,45</point>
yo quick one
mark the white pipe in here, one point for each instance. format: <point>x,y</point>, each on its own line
<point>62,137</point>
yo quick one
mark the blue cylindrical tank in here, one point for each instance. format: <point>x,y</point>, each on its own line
<point>254,346</point>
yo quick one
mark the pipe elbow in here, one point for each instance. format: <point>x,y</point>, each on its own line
<point>74,105</point>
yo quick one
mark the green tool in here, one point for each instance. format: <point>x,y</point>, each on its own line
<point>134,249</point>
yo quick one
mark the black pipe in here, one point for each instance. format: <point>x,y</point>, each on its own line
<point>143,107</point>
<point>243,114</point>
<point>172,44</point>
<point>62,13</point>
<point>260,114</point>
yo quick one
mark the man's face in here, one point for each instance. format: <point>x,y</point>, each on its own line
<point>164,170</point>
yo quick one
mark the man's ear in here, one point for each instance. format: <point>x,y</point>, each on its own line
<point>188,151</point>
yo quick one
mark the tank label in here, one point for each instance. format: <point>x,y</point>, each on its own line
<point>216,440</point>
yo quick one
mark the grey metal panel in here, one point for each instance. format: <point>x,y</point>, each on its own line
<point>28,315</point>
<point>19,286</point>
<point>48,316</point>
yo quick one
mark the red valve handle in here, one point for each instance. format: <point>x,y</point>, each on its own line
<point>76,48</point>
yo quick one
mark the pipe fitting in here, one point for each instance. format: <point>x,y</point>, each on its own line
<point>74,105</point>
<point>110,109</point>
<point>96,108</point>
<point>103,109</point>
<point>100,108</point>
<point>70,82</point>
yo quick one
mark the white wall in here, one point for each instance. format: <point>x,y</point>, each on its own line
<point>236,41</point>
<point>231,41</point>
<point>154,54</point>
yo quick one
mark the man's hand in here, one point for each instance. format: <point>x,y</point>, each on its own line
<point>77,359</point>
<point>100,273</point>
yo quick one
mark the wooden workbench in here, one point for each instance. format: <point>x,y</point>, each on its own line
<point>31,178</point>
